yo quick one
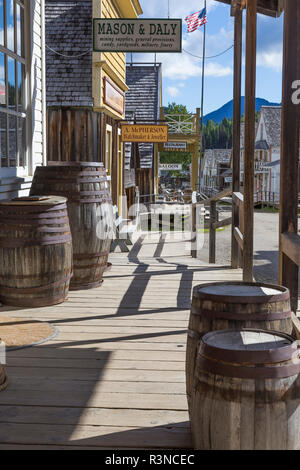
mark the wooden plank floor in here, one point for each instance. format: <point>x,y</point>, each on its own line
<point>113,377</point>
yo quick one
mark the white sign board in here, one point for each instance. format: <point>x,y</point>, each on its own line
<point>175,145</point>
<point>228,179</point>
<point>137,35</point>
<point>170,166</point>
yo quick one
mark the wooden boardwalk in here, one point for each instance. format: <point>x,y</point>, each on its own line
<point>114,376</point>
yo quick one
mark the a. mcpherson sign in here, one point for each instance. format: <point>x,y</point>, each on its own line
<point>129,35</point>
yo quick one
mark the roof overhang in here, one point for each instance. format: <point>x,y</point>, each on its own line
<point>129,8</point>
<point>265,7</point>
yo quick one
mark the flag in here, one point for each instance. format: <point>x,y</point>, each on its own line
<point>196,20</point>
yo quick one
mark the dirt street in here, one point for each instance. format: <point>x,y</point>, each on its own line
<point>265,246</point>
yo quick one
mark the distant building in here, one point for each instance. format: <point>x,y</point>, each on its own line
<point>142,105</point>
<point>215,169</point>
<point>267,153</point>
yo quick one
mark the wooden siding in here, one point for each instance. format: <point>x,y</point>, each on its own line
<point>144,181</point>
<point>115,60</point>
<point>38,84</point>
<point>79,135</point>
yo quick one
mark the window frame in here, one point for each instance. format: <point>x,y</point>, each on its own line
<point>26,113</point>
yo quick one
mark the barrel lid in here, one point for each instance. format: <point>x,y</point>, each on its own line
<point>250,353</point>
<point>34,200</point>
<point>241,292</point>
<point>75,164</point>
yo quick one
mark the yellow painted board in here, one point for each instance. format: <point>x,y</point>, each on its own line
<point>144,133</point>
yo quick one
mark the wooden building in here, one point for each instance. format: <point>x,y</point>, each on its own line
<point>142,105</point>
<point>86,89</point>
<point>22,94</point>
<point>216,162</point>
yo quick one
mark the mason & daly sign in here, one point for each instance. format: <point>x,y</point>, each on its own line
<point>137,35</point>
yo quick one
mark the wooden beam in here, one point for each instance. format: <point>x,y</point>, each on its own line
<point>238,198</point>
<point>236,144</point>
<point>290,245</point>
<point>239,237</point>
<point>249,140</point>
<point>265,7</point>
<point>196,155</point>
<point>226,192</point>
<point>296,326</point>
<point>212,232</point>
<point>222,223</point>
<point>289,160</point>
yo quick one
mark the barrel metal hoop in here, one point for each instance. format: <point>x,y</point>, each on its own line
<point>9,209</point>
<point>281,354</point>
<point>99,200</point>
<point>194,335</point>
<point>83,256</point>
<point>88,266</point>
<point>35,302</point>
<point>38,229</point>
<point>264,316</point>
<point>25,242</point>
<point>283,295</point>
<point>53,163</point>
<point>33,290</point>
<point>36,217</point>
<point>81,285</point>
<point>26,224</point>
<point>243,372</point>
<point>77,180</point>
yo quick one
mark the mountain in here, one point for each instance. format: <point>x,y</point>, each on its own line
<point>226,111</point>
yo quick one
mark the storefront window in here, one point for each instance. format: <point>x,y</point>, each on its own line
<point>12,76</point>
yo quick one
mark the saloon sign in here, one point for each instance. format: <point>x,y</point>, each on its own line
<point>130,35</point>
<point>170,166</point>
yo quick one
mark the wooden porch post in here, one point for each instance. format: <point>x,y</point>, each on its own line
<point>196,155</point>
<point>289,163</point>
<point>249,139</point>
<point>236,145</point>
<point>156,169</point>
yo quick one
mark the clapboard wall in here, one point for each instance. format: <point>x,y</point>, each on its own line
<point>78,134</point>
<point>38,83</point>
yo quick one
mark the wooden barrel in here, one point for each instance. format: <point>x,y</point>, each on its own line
<point>35,251</point>
<point>90,214</point>
<point>230,305</point>
<point>247,391</point>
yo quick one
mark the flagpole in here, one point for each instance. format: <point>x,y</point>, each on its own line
<point>202,100</point>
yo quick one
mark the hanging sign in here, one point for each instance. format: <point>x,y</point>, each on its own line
<point>113,96</point>
<point>175,146</point>
<point>137,35</point>
<point>144,133</point>
<point>170,166</point>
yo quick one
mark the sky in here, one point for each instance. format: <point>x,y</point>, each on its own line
<point>182,72</point>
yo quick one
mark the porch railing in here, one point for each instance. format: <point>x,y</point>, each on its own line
<point>182,123</point>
